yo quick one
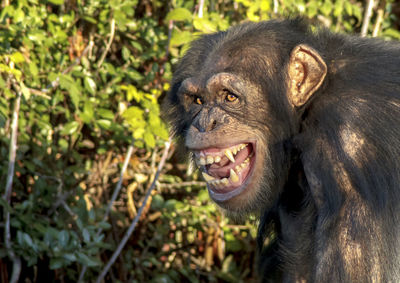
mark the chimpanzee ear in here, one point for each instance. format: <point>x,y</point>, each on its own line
<point>307,71</point>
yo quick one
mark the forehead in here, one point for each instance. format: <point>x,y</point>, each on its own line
<point>242,63</point>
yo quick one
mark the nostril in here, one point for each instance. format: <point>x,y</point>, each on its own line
<point>213,125</point>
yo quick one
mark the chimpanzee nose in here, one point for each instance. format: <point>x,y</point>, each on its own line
<point>206,121</point>
<point>205,126</point>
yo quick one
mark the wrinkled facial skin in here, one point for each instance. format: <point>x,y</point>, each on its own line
<point>227,131</point>
<point>230,154</point>
<point>227,108</point>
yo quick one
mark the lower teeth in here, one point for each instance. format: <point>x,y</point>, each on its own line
<point>233,176</point>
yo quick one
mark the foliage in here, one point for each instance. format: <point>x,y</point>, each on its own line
<point>92,75</point>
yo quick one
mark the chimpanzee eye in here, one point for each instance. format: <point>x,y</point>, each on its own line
<point>198,100</point>
<point>230,97</point>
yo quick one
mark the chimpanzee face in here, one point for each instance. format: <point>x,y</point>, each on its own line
<point>231,126</point>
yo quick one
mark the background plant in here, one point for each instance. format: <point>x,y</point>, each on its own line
<point>85,79</point>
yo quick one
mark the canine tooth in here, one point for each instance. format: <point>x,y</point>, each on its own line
<point>217,183</point>
<point>207,177</point>
<point>228,153</point>
<point>233,176</point>
<point>210,160</point>
<point>225,181</point>
<point>202,161</point>
<point>217,159</point>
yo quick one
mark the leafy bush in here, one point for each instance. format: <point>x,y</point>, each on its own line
<point>89,77</point>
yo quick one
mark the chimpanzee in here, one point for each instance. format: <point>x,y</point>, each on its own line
<point>302,128</point>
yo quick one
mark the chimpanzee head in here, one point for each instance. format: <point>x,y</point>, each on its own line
<point>234,103</point>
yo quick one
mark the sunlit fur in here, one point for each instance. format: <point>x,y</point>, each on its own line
<point>328,195</point>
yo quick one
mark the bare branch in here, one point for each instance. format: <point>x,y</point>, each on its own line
<point>276,5</point>
<point>119,184</point>
<point>7,194</point>
<point>180,185</point>
<point>367,18</point>
<point>379,18</point>
<point>201,7</point>
<point>113,198</point>
<point>136,219</point>
<point>108,46</point>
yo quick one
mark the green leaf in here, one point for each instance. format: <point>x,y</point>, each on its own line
<point>170,204</point>
<point>5,204</point>
<point>203,196</point>
<point>33,69</point>
<point>56,2</point>
<point>392,33</point>
<point>88,261</point>
<point>25,91</point>
<point>104,225</point>
<point>348,8</point>
<point>338,8</point>
<point>75,95</point>
<point>138,133</point>
<point>56,263</point>
<point>70,128</point>
<point>17,57</point>
<point>90,85</point>
<point>135,75</point>
<point>106,113</point>
<point>149,139</point>
<point>88,112</point>
<point>326,8</point>
<point>180,37</point>
<point>86,235</point>
<point>204,25</point>
<point>63,238</point>
<point>179,14</point>
<point>103,123</point>
<point>69,257</point>
<point>133,112</point>
<point>69,84</point>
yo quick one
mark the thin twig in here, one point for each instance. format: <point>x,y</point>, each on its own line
<point>379,18</point>
<point>136,220</point>
<point>170,28</point>
<point>77,61</point>
<point>367,18</point>
<point>118,186</point>
<point>108,46</point>
<point>180,185</point>
<point>7,194</point>
<point>113,198</point>
<point>276,5</point>
<point>201,7</point>
<point>39,93</point>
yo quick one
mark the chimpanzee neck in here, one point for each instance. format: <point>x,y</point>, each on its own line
<point>291,224</point>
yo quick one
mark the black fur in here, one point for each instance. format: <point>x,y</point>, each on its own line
<point>335,216</point>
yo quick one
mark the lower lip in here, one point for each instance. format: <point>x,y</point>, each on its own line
<point>225,196</point>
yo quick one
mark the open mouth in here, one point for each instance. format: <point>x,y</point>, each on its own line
<point>226,170</point>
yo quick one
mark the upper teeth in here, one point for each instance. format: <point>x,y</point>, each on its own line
<point>205,159</point>
<point>229,154</point>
